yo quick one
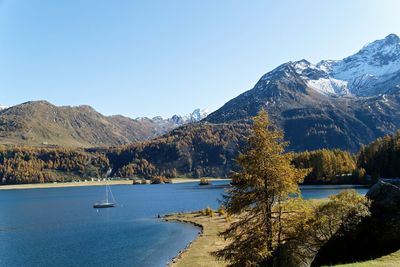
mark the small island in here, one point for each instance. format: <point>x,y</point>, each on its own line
<point>204,181</point>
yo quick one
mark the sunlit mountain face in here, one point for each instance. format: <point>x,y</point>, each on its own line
<point>333,103</point>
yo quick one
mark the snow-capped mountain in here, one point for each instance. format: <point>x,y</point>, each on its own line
<point>372,70</point>
<point>162,125</point>
<point>2,107</point>
<point>178,120</point>
<point>195,116</point>
<point>334,103</point>
<point>376,63</point>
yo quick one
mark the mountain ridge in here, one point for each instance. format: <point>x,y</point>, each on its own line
<point>319,107</point>
<point>330,114</point>
<point>41,123</point>
<point>331,104</point>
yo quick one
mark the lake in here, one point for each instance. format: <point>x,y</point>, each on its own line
<point>59,227</point>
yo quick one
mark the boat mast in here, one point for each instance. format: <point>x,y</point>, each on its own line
<point>106,192</point>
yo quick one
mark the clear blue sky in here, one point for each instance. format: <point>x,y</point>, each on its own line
<point>147,58</point>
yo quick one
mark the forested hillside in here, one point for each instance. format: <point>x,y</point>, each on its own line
<point>42,165</point>
<point>195,150</point>
<point>381,158</point>
<point>329,167</point>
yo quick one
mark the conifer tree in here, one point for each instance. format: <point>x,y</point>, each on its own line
<point>265,180</point>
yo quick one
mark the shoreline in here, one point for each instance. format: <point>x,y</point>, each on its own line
<point>63,184</point>
<point>94,183</point>
<point>197,252</point>
<point>176,258</point>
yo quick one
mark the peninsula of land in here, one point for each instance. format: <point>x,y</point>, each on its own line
<point>197,253</point>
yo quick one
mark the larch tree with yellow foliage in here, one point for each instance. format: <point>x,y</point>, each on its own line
<point>266,179</point>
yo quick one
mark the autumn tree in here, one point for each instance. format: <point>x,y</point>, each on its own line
<point>327,166</point>
<point>381,158</point>
<point>39,165</point>
<point>266,178</point>
<point>313,223</point>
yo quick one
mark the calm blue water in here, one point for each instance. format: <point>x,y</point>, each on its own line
<point>322,191</point>
<point>59,227</point>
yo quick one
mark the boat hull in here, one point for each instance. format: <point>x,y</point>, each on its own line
<point>103,205</point>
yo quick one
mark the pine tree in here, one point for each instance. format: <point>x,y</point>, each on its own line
<point>265,180</point>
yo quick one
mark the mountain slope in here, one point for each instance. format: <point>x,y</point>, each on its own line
<point>41,123</point>
<point>331,104</point>
<point>334,104</point>
<point>364,72</point>
<point>196,150</point>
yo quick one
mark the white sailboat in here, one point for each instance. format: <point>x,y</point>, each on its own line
<point>106,203</point>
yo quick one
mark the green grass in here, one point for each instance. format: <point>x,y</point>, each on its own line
<point>391,260</point>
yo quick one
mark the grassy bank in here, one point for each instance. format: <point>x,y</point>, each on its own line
<point>392,260</point>
<point>198,252</point>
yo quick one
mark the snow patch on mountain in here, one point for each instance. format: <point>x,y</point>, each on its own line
<point>195,116</point>
<point>178,120</point>
<point>198,114</point>
<point>368,72</point>
<point>375,63</point>
<point>329,86</point>
<point>302,65</point>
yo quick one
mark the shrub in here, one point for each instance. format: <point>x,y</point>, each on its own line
<point>221,210</point>
<point>160,180</point>
<point>207,212</point>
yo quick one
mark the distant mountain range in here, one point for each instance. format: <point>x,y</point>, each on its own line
<point>331,104</point>
<point>334,103</point>
<point>41,123</point>
<point>179,120</point>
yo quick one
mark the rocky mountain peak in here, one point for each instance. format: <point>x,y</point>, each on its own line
<point>339,103</point>
<point>198,114</point>
<point>177,120</point>
<point>156,118</point>
<point>375,64</point>
<point>378,53</point>
<point>392,40</point>
<point>361,74</point>
<point>195,116</point>
<point>37,103</point>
